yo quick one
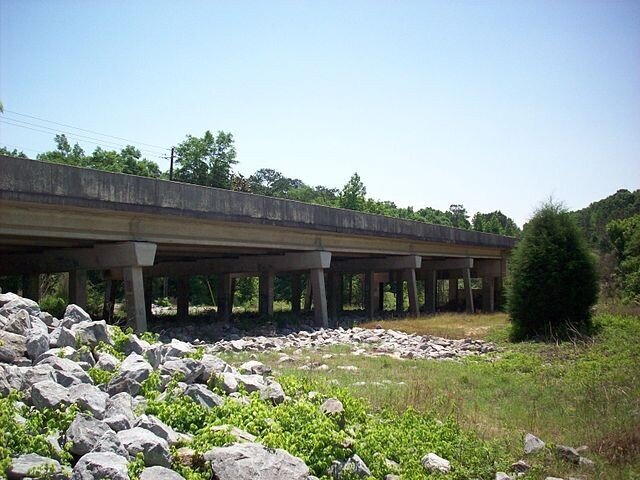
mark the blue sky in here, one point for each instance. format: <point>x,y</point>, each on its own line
<point>492,104</point>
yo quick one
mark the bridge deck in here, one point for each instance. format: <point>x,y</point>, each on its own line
<point>49,211</point>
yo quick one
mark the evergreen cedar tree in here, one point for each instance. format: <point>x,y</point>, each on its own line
<point>553,281</point>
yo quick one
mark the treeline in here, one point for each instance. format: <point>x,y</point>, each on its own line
<point>612,228</point>
<point>209,160</point>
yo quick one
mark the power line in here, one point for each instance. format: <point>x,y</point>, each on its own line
<point>76,135</point>
<point>85,130</point>
<point>94,141</point>
<point>19,147</point>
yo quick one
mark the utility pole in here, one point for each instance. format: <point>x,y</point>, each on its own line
<point>173,150</point>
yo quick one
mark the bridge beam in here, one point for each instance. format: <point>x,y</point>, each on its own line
<point>385,264</point>
<point>100,257</point>
<point>287,262</point>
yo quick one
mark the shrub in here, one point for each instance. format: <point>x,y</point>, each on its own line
<point>552,283</point>
<point>53,304</point>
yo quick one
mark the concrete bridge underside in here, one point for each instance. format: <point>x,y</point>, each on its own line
<point>57,218</point>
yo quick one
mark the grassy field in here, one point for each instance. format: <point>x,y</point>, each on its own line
<point>585,392</point>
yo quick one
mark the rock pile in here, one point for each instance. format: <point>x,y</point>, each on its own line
<point>365,342</point>
<point>48,360</point>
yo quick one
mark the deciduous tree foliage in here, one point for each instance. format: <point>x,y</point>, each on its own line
<point>353,194</point>
<point>128,160</point>
<point>553,282</point>
<point>495,222</point>
<point>206,160</point>
<point>625,236</point>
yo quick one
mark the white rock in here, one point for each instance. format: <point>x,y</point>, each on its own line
<point>251,461</point>
<point>22,466</point>
<point>433,463</point>
<point>99,466</point>
<point>160,473</point>
<point>84,433</point>
<point>48,394</point>
<point>532,444</point>
<point>154,449</point>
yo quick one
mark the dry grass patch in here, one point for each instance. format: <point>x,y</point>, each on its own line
<point>447,325</point>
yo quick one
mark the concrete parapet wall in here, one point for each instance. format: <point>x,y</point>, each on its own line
<point>33,181</point>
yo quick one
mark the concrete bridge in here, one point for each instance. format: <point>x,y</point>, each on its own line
<point>58,218</point>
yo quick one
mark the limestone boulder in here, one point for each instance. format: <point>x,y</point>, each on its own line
<point>91,333</point>
<point>532,444</point>
<point>212,365</point>
<point>89,398</point>
<point>84,433</point>
<point>254,367</point>
<point>154,449</point>
<point>133,344</point>
<point>159,428</point>
<point>109,442</point>
<point>20,303</point>
<point>120,414</point>
<point>352,467</point>
<point>62,337</point>
<point>273,392</point>
<point>434,463</point>
<point>107,362</point>
<point>202,395</point>
<point>12,347</point>
<point>251,383</point>
<point>132,372</point>
<point>37,343</point>
<point>187,369</point>
<point>176,349</point>
<point>251,461</point>
<point>101,465</point>
<point>48,394</point>
<point>67,371</point>
<point>73,315</point>
<point>160,473</point>
<point>18,322</point>
<point>22,466</point>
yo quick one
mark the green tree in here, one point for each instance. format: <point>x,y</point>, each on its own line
<point>459,216</point>
<point>353,195</point>
<point>553,281</point>
<point>64,153</point>
<point>495,222</point>
<point>625,237</point>
<point>12,153</point>
<point>207,160</point>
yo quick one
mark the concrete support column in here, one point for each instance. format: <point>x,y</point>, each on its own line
<point>381,297</point>
<point>334,298</point>
<point>468,292</point>
<point>265,303</point>
<point>183,298</point>
<point>430,291</point>
<point>296,291</point>
<point>488,292</point>
<point>371,294</point>
<point>320,315</point>
<point>453,290</point>
<point>78,288</point>
<point>225,297</point>
<point>31,286</point>
<point>148,296</point>
<point>399,292</point>
<point>412,287</point>
<point>307,296</point>
<point>109,300</point>
<point>134,296</point>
